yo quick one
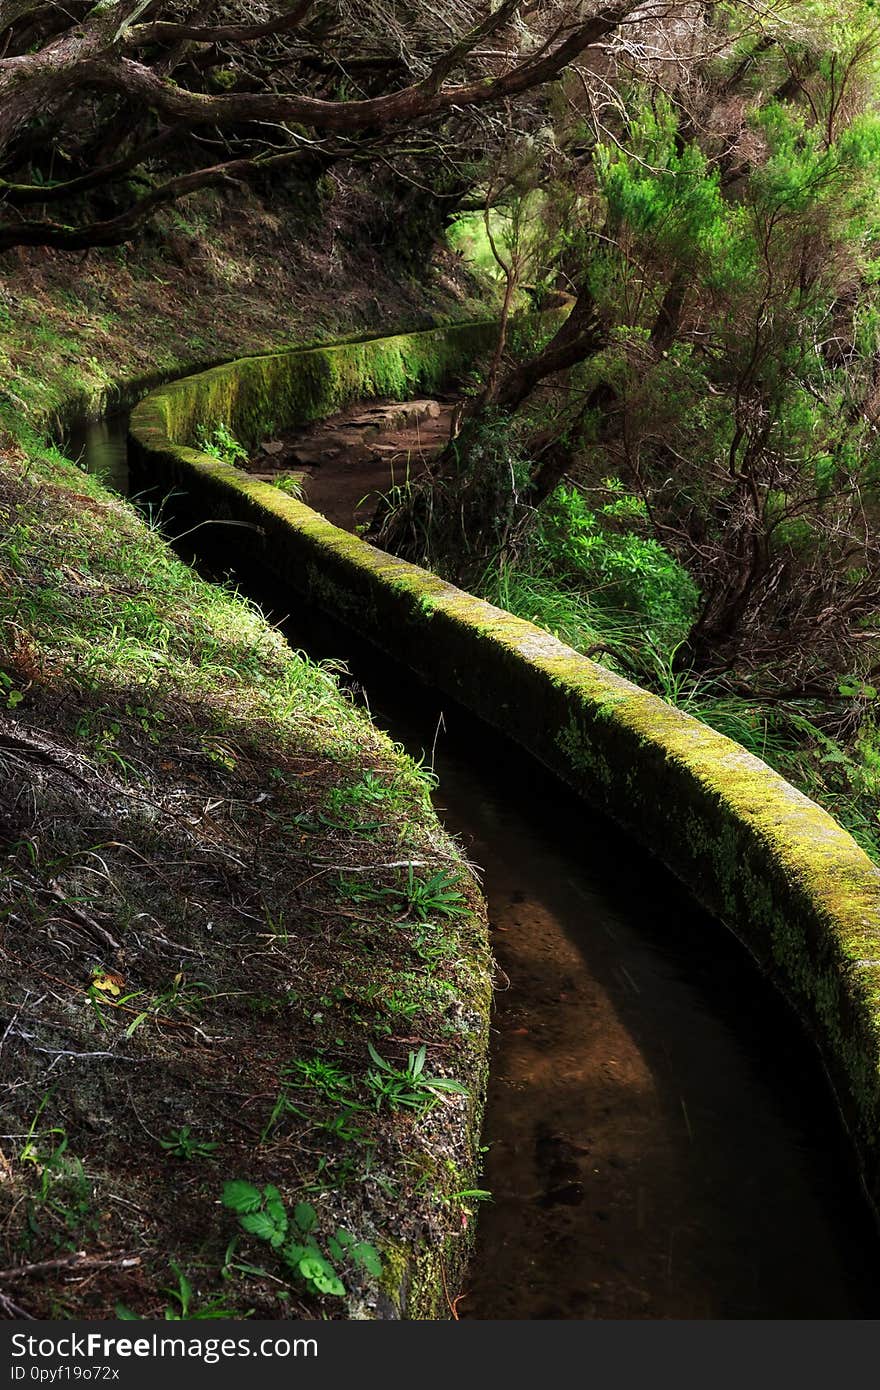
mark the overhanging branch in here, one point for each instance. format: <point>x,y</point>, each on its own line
<point>115,230</point>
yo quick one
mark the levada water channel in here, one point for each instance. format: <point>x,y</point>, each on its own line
<point>660,1139</point>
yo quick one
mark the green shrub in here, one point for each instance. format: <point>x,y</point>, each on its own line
<point>619,568</point>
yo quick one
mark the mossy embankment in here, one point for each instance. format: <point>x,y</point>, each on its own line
<point>774,866</point>
<point>220,887</point>
<point>239,273</point>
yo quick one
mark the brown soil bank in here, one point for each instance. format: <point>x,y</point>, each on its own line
<point>220,888</point>
<point>771,864</point>
<point>218,883</point>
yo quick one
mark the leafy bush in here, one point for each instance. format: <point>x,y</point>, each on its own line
<point>619,568</point>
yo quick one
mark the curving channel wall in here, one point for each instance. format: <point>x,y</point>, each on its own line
<point>771,864</point>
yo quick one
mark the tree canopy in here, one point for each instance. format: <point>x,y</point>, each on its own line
<point>148,102</point>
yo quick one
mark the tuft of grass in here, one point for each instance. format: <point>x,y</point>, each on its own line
<point>409,1087</point>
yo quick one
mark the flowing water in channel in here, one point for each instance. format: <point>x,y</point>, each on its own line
<point>661,1141</point>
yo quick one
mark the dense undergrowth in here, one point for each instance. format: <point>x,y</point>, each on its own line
<point>683,481</point>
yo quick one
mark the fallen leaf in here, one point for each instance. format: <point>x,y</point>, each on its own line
<point>108,983</point>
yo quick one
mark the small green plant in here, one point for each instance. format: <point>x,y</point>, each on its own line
<point>149,720</point>
<point>263,1214</point>
<point>409,1087</point>
<point>343,1126</point>
<point>30,1152</point>
<point>183,995</point>
<point>179,1143</point>
<point>437,896</point>
<point>430,943</point>
<point>400,1003</point>
<point>291,484</point>
<point>468,1199</point>
<point>331,1084</point>
<point>63,1191</point>
<point>221,444</point>
<point>348,806</point>
<point>8,692</point>
<point>181,1308</point>
<point>368,790</point>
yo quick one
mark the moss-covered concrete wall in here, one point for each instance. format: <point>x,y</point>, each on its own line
<point>775,867</point>
<point>256,396</point>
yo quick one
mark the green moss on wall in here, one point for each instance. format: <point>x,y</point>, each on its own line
<point>257,396</point>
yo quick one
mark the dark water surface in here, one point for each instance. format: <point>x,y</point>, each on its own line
<point>101,447</point>
<point>662,1143</point>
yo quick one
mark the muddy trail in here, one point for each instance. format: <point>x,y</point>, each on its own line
<point>661,1141</point>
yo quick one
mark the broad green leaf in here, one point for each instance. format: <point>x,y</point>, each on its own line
<point>277,1212</point>
<point>258,1224</point>
<point>293,1253</point>
<point>329,1283</point>
<point>305,1217</point>
<point>241,1196</point>
<point>445,1083</point>
<point>366,1256</point>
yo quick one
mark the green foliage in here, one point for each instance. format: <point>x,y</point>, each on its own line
<point>660,188</point>
<point>263,1214</point>
<point>468,237</point>
<point>221,444</point>
<point>367,803</point>
<point>182,1307</point>
<point>536,594</point>
<point>180,1143</point>
<point>437,896</point>
<point>324,1077</point>
<point>440,895</point>
<point>61,1198</point>
<point>522,228</point>
<point>618,568</point>
<point>737,555</point>
<point>335,1087</point>
<point>409,1087</point>
<point>10,695</point>
<point>843,777</point>
<point>291,485</point>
